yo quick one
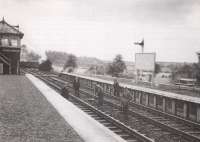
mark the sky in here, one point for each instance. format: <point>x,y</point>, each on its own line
<point>105,28</point>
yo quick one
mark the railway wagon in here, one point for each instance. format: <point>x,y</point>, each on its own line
<point>182,106</point>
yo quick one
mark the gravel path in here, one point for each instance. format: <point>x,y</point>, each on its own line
<point>26,115</point>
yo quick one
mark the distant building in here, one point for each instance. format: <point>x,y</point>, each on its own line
<point>164,76</point>
<point>10,47</point>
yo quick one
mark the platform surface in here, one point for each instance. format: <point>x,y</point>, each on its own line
<point>88,128</point>
<point>26,115</point>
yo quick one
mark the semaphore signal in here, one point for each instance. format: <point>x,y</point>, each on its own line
<point>141,44</point>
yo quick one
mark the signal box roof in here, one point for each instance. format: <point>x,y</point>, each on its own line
<point>6,28</point>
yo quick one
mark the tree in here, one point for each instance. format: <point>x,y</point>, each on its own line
<point>109,69</point>
<point>117,66</point>
<point>45,65</point>
<point>71,63</point>
<point>28,55</point>
<point>186,71</point>
<point>57,58</point>
<point>32,56</point>
<point>96,69</point>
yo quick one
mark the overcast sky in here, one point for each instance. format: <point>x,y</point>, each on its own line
<point>104,28</point>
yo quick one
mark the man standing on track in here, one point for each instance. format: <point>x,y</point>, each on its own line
<point>100,94</point>
<point>76,86</point>
<point>116,88</point>
<point>65,92</point>
<point>125,100</point>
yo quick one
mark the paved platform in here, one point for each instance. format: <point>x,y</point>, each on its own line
<point>88,128</point>
<point>27,116</point>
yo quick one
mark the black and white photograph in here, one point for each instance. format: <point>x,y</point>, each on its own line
<point>99,70</point>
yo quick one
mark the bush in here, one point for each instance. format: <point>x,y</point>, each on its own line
<point>117,66</point>
<point>71,63</point>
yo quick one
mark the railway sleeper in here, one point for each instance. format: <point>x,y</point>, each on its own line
<point>125,135</point>
<point>95,116</point>
<point>87,111</point>
<point>102,121</point>
<point>154,117</point>
<point>156,129</point>
<point>83,108</point>
<point>113,127</point>
<point>192,132</point>
<point>118,131</point>
<point>162,119</point>
<point>106,124</point>
<point>90,113</point>
<point>98,118</point>
<point>132,140</point>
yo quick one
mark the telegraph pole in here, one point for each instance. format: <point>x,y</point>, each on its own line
<point>142,51</point>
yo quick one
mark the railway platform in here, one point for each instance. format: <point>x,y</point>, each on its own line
<point>87,128</point>
<point>27,116</point>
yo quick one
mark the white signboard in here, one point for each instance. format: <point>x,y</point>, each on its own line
<point>145,61</point>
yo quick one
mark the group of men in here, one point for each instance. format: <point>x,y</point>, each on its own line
<point>98,91</point>
<point>76,86</point>
<point>124,94</point>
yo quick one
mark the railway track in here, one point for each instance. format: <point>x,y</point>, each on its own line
<point>141,120</point>
<point>114,125</point>
<point>173,124</point>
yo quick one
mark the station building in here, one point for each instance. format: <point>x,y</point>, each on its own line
<point>10,47</point>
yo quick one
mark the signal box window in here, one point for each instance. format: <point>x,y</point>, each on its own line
<point>14,42</point>
<point>4,42</point>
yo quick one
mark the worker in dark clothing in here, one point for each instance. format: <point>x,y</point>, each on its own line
<point>95,88</point>
<point>65,92</point>
<point>100,94</point>
<point>116,88</point>
<point>125,100</point>
<point>76,86</point>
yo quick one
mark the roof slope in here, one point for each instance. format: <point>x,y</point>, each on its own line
<point>5,28</point>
